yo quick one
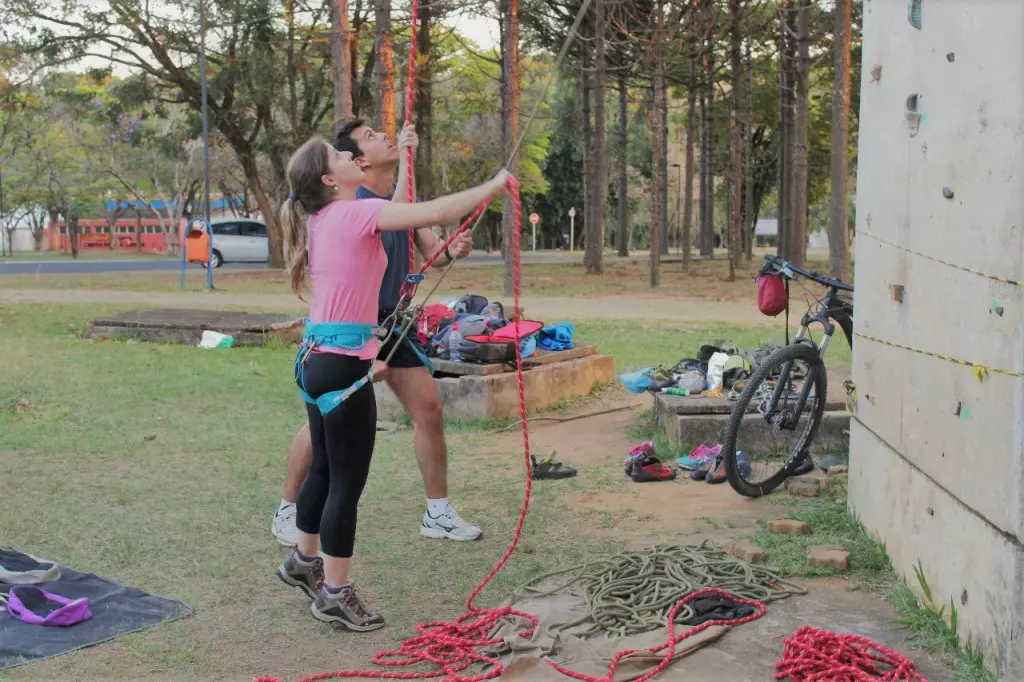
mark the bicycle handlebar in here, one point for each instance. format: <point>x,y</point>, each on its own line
<point>824,280</point>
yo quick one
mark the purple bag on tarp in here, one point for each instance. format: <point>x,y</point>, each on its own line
<point>34,605</point>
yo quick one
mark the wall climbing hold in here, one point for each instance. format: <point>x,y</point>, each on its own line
<point>876,73</point>
<point>947,192</point>
<point>950,57</point>
<point>896,292</point>
<point>914,13</point>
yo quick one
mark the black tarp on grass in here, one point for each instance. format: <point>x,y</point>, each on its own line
<point>116,610</point>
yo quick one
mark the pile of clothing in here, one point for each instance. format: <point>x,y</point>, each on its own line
<point>719,367</point>
<point>472,329</point>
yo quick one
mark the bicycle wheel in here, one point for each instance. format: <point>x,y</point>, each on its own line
<point>777,398</point>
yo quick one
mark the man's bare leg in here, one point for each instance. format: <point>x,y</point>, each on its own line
<point>414,388</point>
<point>298,463</point>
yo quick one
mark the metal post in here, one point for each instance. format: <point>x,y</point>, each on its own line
<point>3,216</point>
<point>206,142</point>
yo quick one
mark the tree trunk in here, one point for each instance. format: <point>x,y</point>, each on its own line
<point>384,101</point>
<point>510,125</point>
<point>838,228</point>
<point>735,138</point>
<point>588,155</point>
<point>425,104</point>
<point>593,256</point>
<point>787,113</point>
<point>662,119</point>
<point>138,231</point>
<point>707,157</point>
<point>623,165</point>
<point>342,62</point>
<point>691,128</point>
<point>72,220</point>
<point>749,222</point>
<point>658,149</point>
<point>800,152</point>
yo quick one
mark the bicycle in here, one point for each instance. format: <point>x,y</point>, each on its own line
<point>782,391</point>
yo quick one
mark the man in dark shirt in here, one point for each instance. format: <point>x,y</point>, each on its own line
<point>406,374</point>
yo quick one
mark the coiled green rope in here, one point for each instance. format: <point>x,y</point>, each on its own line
<point>632,592</point>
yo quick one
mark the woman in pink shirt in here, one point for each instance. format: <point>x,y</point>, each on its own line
<point>337,249</point>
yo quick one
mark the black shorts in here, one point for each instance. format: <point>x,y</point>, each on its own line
<point>405,357</point>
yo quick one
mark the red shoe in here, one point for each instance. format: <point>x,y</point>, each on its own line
<point>650,468</point>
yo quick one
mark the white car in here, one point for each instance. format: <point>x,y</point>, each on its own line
<point>239,240</point>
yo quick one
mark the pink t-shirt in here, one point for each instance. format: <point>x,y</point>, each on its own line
<point>346,265</point>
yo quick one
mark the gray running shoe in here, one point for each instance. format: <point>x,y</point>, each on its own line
<point>305,575</point>
<point>345,608</point>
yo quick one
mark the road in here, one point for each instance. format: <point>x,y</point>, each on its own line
<point>86,266</point>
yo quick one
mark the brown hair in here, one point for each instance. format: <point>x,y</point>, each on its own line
<point>306,189</point>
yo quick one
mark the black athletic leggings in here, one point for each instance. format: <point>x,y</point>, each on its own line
<point>342,449</point>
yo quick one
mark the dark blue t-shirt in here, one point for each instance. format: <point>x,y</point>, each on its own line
<point>396,246</point>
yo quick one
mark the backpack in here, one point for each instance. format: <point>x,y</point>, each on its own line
<point>772,294</point>
<point>433,318</point>
<point>473,304</point>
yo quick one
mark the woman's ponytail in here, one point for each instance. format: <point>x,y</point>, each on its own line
<point>293,226</point>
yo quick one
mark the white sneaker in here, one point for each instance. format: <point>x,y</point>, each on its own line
<point>284,525</point>
<point>448,525</point>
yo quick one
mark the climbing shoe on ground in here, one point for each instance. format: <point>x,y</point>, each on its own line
<point>715,607</point>
<point>699,457</point>
<point>804,465</point>
<point>645,449</point>
<point>343,606</point>
<point>829,461</point>
<point>448,525</point>
<point>649,469</point>
<point>701,472</point>
<point>304,573</point>
<point>547,467</point>
<point>718,474</point>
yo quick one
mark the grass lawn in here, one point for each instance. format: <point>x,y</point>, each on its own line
<point>167,464</point>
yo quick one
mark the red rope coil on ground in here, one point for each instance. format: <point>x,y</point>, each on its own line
<point>811,655</point>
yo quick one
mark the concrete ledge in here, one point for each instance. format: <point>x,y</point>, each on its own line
<point>710,428</point>
<point>185,326</point>
<point>964,558</point>
<point>497,396</point>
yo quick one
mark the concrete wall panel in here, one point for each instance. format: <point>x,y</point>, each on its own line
<point>941,175</point>
<point>963,558</point>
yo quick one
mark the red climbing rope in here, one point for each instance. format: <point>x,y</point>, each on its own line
<point>410,98</point>
<point>811,655</point>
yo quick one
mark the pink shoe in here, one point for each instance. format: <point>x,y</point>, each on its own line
<point>645,449</point>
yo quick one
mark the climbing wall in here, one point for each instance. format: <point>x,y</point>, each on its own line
<point>937,443</point>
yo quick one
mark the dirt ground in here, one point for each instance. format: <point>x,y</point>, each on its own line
<point>691,512</point>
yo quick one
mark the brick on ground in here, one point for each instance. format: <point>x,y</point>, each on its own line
<point>804,487</point>
<point>748,552</point>
<point>834,557</point>
<point>787,527</point>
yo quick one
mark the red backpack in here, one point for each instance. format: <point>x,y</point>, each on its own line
<point>433,318</point>
<point>772,297</point>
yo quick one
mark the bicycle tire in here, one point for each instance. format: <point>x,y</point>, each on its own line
<point>775,361</point>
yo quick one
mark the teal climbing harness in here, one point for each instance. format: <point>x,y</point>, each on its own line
<point>348,336</point>
<point>345,335</point>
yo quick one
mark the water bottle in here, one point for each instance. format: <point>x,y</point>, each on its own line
<point>675,390</point>
<point>454,339</point>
